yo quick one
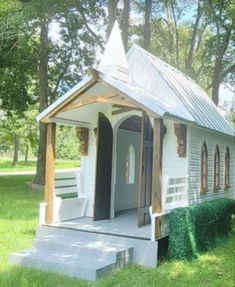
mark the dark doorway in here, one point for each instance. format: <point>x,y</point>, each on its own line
<point>127,164</point>
<point>103,168</point>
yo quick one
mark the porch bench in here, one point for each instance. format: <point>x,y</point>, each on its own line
<point>69,200</point>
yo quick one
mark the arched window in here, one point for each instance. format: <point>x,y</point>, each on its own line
<point>226,168</point>
<point>204,168</point>
<point>130,165</point>
<point>217,168</point>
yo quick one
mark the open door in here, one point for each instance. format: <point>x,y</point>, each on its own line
<point>145,180</point>
<point>103,168</point>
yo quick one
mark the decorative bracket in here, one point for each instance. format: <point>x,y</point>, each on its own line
<point>181,135</point>
<point>83,136</point>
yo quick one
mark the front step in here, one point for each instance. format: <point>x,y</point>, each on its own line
<point>67,264</point>
<point>84,247</point>
<point>86,259</point>
<point>84,254</point>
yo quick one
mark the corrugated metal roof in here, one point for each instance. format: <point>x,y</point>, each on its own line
<point>160,88</point>
<point>146,99</point>
<point>169,85</point>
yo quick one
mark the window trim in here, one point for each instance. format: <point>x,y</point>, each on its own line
<point>227,168</point>
<point>204,168</point>
<point>217,168</point>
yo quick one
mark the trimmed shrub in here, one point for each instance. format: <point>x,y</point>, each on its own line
<point>198,228</point>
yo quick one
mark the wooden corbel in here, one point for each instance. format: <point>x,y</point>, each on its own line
<point>181,135</point>
<point>83,136</point>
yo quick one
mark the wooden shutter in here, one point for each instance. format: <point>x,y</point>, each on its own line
<point>103,169</point>
<point>145,181</point>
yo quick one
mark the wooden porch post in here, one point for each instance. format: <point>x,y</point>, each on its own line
<point>158,133</point>
<point>50,171</point>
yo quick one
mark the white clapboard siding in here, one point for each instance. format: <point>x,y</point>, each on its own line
<point>197,137</point>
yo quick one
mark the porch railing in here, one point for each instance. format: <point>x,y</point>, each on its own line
<point>174,195</point>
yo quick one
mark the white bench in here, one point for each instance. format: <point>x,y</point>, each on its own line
<point>69,200</point>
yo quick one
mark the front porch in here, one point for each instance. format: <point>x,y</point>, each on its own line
<point>123,225</point>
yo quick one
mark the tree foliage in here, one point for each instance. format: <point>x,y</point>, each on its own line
<point>46,46</point>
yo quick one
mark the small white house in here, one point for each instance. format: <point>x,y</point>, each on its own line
<point>151,140</point>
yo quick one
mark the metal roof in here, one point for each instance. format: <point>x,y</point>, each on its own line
<point>158,87</point>
<point>168,85</point>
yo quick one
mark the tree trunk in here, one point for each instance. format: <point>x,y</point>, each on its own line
<point>112,9</point>
<point>125,25</point>
<point>43,100</point>
<point>147,24</point>
<point>222,45</point>
<point>26,155</point>
<point>189,60</point>
<point>170,23</point>
<point>16,150</point>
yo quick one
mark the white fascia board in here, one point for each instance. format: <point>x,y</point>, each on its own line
<point>67,95</point>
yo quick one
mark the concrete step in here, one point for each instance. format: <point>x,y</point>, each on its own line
<point>84,247</point>
<point>64,263</point>
<point>70,264</point>
<point>145,251</point>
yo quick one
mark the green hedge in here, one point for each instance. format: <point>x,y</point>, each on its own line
<point>198,228</point>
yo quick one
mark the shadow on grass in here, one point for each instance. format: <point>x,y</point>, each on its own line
<point>31,232</point>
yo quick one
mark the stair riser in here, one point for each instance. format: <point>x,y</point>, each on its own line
<point>72,271</point>
<point>69,270</point>
<point>140,246</point>
<point>82,250</point>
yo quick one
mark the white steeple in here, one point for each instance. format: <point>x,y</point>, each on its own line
<point>113,61</point>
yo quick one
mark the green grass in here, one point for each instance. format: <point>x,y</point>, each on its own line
<point>19,217</point>
<point>6,165</point>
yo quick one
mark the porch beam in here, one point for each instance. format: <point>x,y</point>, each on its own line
<point>69,122</point>
<point>98,99</point>
<point>124,110</point>
<point>87,99</point>
<point>157,173</point>
<point>119,102</point>
<point>80,103</point>
<point>50,172</point>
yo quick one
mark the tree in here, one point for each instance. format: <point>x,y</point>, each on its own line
<point>17,60</point>
<point>147,24</point>
<point>222,16</point>
<point>112,13</point>
<point>43,96</point>
<point>194,38</point>
<point>19,131</point>
<point>125,22</point>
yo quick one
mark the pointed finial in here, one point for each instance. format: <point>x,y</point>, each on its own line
<point>114,62</point>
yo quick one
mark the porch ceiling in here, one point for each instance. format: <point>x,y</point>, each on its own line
<point>97,98</point>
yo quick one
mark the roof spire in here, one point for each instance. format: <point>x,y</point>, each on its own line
<point>113,61</point>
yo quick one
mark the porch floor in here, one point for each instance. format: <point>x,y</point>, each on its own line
<point>124,224</point>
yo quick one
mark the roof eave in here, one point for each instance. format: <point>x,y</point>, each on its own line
<point>67,97</point>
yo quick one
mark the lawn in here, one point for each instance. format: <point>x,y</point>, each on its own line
<point>19,217</point>
<point>6,165</point>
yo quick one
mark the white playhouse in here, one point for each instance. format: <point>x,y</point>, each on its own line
<point>151,140</point>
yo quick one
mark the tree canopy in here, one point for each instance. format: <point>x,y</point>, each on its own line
<point>46,46</point>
